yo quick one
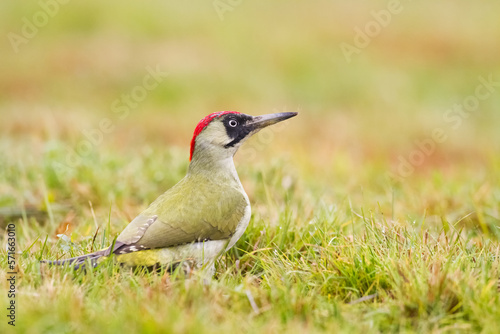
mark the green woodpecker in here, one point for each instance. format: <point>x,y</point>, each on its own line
<point>201,216</point>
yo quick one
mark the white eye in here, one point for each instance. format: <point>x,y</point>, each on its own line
<point>233,123</point>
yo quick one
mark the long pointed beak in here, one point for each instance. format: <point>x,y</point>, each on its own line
<point>260,122</point>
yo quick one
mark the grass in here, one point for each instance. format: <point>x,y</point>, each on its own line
<point>336,243</point>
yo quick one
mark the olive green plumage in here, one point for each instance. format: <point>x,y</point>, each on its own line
<point>199,207</point>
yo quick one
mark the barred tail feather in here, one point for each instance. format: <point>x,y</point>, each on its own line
<point>80,261</point>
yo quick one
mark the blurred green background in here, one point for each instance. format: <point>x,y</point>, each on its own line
<point>256,58</point>
<point>261,56</point>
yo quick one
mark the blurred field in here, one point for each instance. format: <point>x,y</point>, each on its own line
<point>339,240</point>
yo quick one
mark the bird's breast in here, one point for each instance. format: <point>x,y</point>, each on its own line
<point>242,225</point>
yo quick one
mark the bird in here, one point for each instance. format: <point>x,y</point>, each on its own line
<point>200,217</point>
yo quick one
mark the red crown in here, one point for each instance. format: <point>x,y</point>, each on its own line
<point>203,124</point>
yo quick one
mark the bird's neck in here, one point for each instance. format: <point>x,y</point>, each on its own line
<point>216,167</point>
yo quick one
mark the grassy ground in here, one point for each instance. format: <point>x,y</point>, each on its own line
<point>347,235</point>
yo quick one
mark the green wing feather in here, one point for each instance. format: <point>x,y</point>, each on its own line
<point>197,208</point>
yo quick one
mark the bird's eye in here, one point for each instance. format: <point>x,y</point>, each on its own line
<point>233,123</point>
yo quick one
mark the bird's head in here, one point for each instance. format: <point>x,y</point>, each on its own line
<point>219,135</point>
